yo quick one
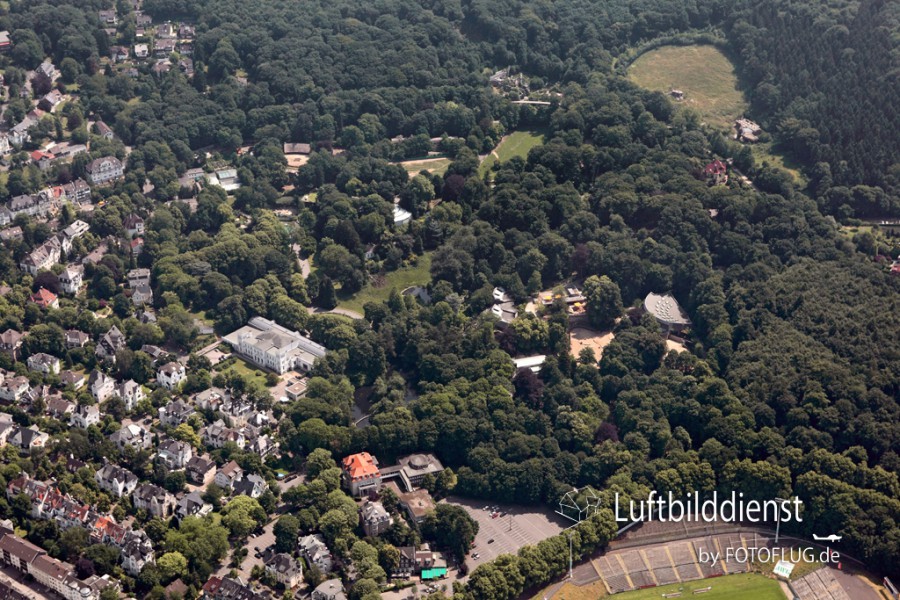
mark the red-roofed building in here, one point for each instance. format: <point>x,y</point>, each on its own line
<point>361,474</point>
<point>716,172</point>
<point>45,299</point>
<point>42,159</point>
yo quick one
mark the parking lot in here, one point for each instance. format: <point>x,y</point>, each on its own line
<point>514,527</point>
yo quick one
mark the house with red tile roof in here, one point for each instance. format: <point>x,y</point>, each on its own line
<point>45,298</point>
<point>361,474</point>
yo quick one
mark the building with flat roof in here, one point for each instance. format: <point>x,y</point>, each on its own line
<point>269,345</point>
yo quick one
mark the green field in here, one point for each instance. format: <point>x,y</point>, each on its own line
<point>420,274</point>
<point>248,371</point>
<point>518,143</point>
<point>438,166</point>
<point>710,85</point>
<point>732,587</point>
<point>703,73</point>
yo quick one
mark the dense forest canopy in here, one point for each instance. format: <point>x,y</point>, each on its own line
<point>793,374</point>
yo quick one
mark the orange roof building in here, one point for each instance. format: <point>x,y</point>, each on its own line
<point>361,474</point>
<point>45,299</point>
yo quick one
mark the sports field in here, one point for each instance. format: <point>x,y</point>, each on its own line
<point>703,73</point>
<point>746,586</point>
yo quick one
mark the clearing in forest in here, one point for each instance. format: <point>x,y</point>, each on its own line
<point>518,143</point>
<point>438,165</point>
<point>581,338</point>
<point>703,73</point>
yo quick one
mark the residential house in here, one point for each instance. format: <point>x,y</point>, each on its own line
<point>104,170</point>
<point>11,234</point>
<point>274,347</point>
<point>77,229</point>
<point>48,70</point>
<point>175,413</point>
<point>5,43</point>
<point>116,480</point>
<point>413,560</point>
<point>250,485</point>
<point>186,32</point>
<point>71,279</point>
<point>132,435</point>
<point>110,342</point>
<point>211,399</point>
<point>228,475</point>
<point>134,225</point>
<point>29,438</point>
<point>109,17</point>
<point>316,552</point>
<point>118,54</point>
<point>10,342</point>
<point>104,130</point>
<point>136,245</point>
<point>71,378</point>
<point>50,101</point>
<point>218,434</point>
<point>192,505</point>
<point>716,172</point>
<point>332,589</point>
<point>375,519</point>
<point>175,454</point>
<point>101,385</point>
<point>40,259</point>
<point>162,48</point>
<point>287,571</point>
<point>138,277</point>
<point>77,191</point>
<point>200,470</point>
<point>142,295</point>
<point>360,474</point>
<point>85,415</point>
<point>217,588</point>
<point>155,500</point>
<point>262,446</point>
<point>13,388</point>
<point>45,299</point>
<point>141,50</point>
<point>131,392</point>
<point>59,408</point>
<point>42,362</point>
<point>170,375</point>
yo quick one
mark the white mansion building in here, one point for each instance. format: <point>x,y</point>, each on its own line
<point>270,345</point>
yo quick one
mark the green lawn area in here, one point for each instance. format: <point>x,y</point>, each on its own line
<point>248,371</point>
<point>733,587</point>
<point>703,73</point>
<point>518,143</point>
<point>437,165</point>
<point>420,274</point>
<point>710,85</point>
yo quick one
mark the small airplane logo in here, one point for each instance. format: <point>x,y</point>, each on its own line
<point>828,538</point>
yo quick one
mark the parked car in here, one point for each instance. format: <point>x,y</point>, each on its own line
<point>491,541</point>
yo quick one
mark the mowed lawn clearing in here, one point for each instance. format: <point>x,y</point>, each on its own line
<point>518,143</point>
<point>746,586</point>
<point>438,165</point>
<point>420,274</point>
<point>703,73</point>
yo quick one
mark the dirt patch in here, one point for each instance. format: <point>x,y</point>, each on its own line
<point>676,346</point>
<point>581,337</point>
<point>296,160</point>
